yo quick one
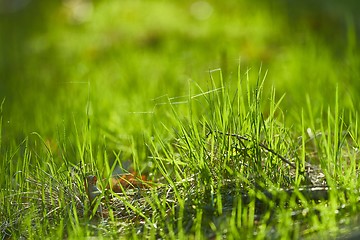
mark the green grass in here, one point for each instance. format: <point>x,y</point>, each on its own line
<point>231,118</point>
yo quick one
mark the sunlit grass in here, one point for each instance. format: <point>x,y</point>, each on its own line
<point>229,118</point>
<point>214,171</point>
<point>221,174</point>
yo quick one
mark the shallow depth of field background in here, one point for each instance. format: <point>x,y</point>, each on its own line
<point>118,63</point>
<point>87,83</point>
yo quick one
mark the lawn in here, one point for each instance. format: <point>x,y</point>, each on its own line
<point>232,119</point>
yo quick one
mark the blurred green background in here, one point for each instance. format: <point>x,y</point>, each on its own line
<point>116,62</point>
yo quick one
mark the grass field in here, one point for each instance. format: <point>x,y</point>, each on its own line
<point>240,118</point>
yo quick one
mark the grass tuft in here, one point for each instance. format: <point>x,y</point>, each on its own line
<point>231,168</point>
